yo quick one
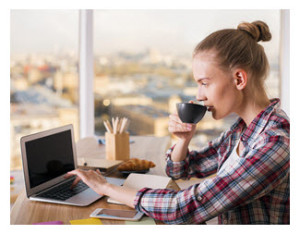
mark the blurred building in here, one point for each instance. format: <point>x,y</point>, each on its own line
<point>144,120</point>
<point>36,106</point>
<point>27,119</point>
<point>126,100</point>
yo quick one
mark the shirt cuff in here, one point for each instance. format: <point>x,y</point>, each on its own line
<point>138,197</point>
<point>169,152</point>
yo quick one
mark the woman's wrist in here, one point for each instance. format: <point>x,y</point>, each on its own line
<point>114,191</point>
<point>184,142</point>
<point>104,189</point>
<point>180,150</point>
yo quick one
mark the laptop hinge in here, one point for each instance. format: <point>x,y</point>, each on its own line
<point>53,186</point>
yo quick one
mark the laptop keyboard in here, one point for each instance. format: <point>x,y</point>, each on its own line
<point>63,192</point>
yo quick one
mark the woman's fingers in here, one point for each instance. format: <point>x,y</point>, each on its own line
<point>76,173</point>
<point>66,176</point>
<point>91,178</point>
<point>175,118</point>
<point>75,182</point>
<point>175,124</point>
<point>179,128</point>
<point>98,172</point>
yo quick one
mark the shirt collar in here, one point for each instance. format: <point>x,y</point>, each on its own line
<point>258,123</point>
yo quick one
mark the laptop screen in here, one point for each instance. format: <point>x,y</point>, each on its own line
<point>49,157</point>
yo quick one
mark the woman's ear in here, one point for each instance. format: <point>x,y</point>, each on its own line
<point>240,78</point>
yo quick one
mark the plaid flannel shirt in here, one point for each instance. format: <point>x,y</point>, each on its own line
<point>254,189</point>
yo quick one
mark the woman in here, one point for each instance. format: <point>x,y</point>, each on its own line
<point>251,159</point>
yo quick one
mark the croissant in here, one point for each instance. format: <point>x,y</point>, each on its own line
<point>135,164</point>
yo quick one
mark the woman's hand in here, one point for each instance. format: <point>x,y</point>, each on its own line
<point>97,182</point>
<point>183,131</point>
<point>91,178</point>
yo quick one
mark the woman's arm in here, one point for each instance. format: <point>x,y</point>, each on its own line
<point>184,132</point>
<point>97,182</point>
<point>250,178</point>
<point>122,194</point>
<point>195,163</point>
<point>181,163</point>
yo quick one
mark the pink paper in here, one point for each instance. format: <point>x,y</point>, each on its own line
<point>49,223</point>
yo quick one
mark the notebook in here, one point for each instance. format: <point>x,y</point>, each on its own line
<point>47,156</point>
<point>139,181</point>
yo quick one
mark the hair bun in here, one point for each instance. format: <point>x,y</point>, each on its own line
<point>258,30</point>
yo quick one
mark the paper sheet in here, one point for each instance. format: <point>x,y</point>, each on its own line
<point>139,181</point>
<point>90,221</point>
<point>49,223</point>
<point>144,221</point>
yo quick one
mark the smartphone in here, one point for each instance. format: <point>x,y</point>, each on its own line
<point>104,213</point>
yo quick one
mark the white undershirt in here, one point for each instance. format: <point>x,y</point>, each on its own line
<point>232,158</point>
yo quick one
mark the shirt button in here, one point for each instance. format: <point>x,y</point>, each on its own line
<point>199,198</point>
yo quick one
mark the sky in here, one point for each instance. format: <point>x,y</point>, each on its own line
<point>169,31</point>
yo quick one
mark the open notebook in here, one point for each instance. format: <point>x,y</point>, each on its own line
<point>139,181</point>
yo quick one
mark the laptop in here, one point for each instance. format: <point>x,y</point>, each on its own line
<point>47,156</point>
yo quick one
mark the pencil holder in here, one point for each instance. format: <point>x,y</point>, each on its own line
<point>117,146</point>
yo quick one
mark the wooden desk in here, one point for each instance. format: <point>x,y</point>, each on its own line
<point>25,211</point>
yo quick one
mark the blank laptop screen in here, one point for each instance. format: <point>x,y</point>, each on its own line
<point>49,157</point>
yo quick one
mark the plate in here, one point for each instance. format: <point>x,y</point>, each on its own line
<point>126,173</point>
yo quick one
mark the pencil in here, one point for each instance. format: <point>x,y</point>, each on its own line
<point>113,124</point>
<point>117,125</point>
<point>109,126</point>
<point>125,125</point>
<point>105,125</point>
<point>108,129</point>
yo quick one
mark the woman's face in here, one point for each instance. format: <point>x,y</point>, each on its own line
<point>215,86</point>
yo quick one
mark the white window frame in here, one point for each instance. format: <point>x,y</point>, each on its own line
<point>86,73</point>
<point>284,60</point>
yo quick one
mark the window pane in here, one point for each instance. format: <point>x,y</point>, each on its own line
<point>44,73</point>
<point>143,64</point>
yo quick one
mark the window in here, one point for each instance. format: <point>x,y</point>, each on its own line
<point>43,73</point>
<point>143,64</point>
<point>142,67</point>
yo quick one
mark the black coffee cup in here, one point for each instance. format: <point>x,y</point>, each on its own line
<point>190,112</point>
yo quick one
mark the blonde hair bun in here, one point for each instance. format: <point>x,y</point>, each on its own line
<point>258,30</point>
